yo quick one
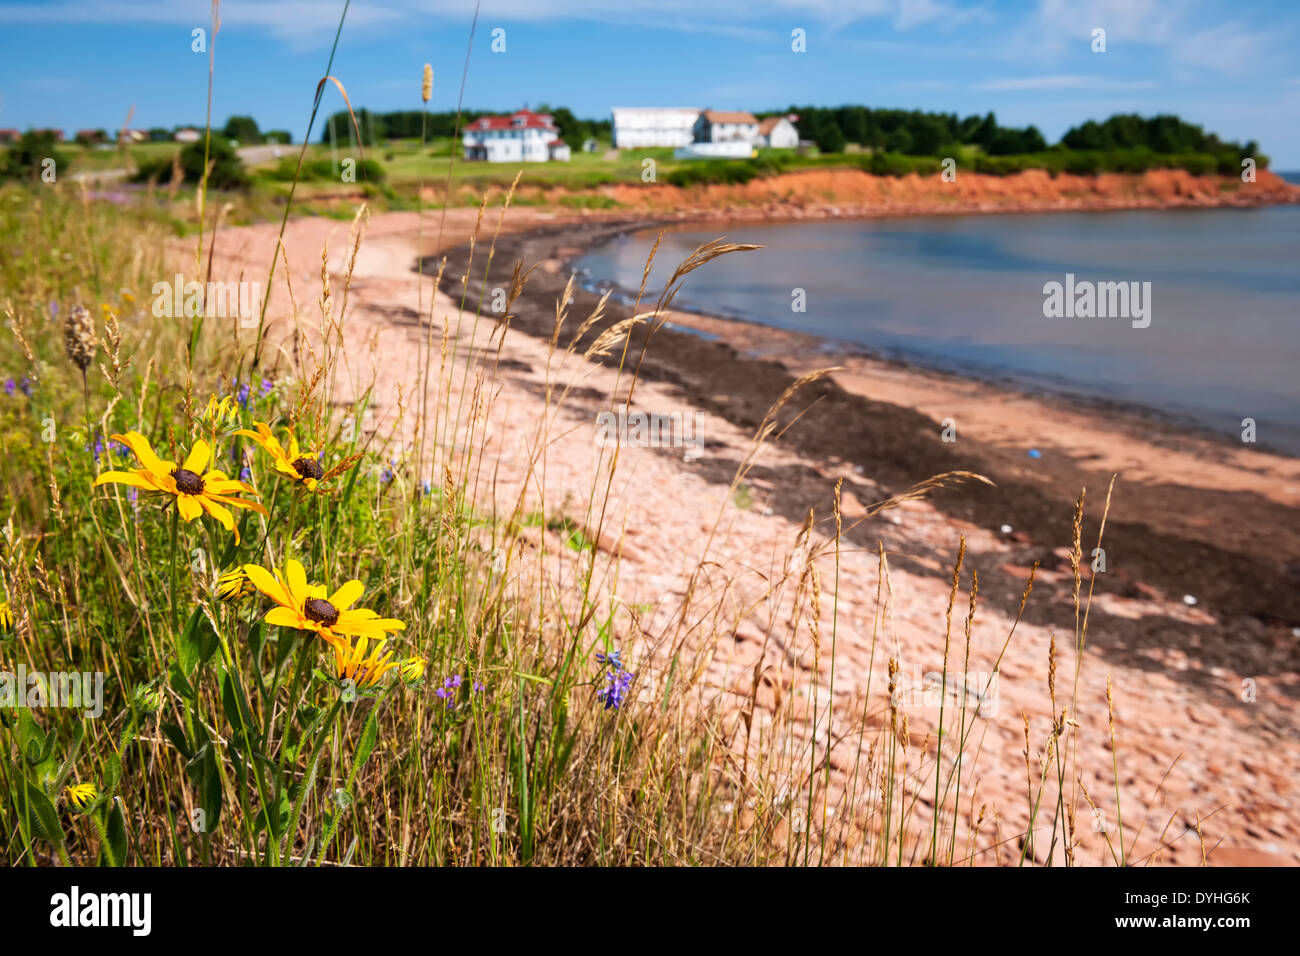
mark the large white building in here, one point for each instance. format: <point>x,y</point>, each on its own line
<point>521,137</point>
<point>653,126</point>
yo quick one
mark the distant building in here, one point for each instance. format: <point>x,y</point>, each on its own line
<point>9,135</point>
<point>590,146</point>
<point>56,133</point>
<point>653,126</point>
<point>777,132</point>
<point>133,136</point>
<point>187,136</point>
<point>521,137</point>
<point>720,126</point>
<point>90,136</point>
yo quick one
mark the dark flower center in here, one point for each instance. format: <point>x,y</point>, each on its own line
<point>187,482</point>
<point>320,611</point>
<point>309,467</point>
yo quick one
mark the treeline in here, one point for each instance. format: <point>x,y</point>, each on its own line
<point>910,132</point>
<point>411,124</point>
<point>917,133</point>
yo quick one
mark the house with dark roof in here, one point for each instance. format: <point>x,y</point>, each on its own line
<point>521,137</point>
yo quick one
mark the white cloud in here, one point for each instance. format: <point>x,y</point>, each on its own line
<point>1065,81</point>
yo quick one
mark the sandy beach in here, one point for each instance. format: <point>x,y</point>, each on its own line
<point>1193,620</point>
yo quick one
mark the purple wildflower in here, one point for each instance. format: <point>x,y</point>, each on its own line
<point>242,397</point>
<point>615,690</point>
<point>26,386</point>
<point>10,387</point>
<point>267,386</point>
<point>245,475</point>
<point>452,681</point>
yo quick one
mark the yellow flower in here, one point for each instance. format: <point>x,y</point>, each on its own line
<point>412,668</point>
<point>233,585</point>
<point>220,413</point>
<point>305,606</point>
<point>351,663</point>
<point>295,463</point>
<point>6,616</point>
<point>80,795</point>
<point>195,492</point>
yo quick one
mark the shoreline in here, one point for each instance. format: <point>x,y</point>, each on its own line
<point>836,349</point>
<point>1182,490</point>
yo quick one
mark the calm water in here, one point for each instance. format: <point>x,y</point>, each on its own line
<point>966,293</point>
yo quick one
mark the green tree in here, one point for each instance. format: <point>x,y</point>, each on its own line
<point>242,129</point>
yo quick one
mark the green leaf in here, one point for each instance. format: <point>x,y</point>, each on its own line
<point>177,738</point>
<point>199,640</point>
<point>112,773</point>
<point>114,850</point>
<point>368,735</point>
<point>40,811</point>
<point>206,778</point>
<point>176,679</point>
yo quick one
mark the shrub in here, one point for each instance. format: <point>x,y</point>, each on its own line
<point>25,159</point>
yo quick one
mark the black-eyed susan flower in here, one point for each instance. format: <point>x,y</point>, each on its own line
<point>307,607</point>
<point>221,412</point>
<point>352,664</point>
<point>412,669</point>
<point>80,795</point>
<point>233,585</point>
<point>195,491</point>
<point>294,463</point>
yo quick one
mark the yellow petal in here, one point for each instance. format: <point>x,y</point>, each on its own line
<point>189,506</point>
<point>223,516</point>
<point>296,578</point>
<point>124,478</point>
<point>198,457</point>
<point>241,503</point>
<point>346,596</point>
<point>225,486</point>
<point>284,617</point>
<point>140,445</point>
<point>265,582</point>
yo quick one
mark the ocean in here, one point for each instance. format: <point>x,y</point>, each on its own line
<point>1210,334</point>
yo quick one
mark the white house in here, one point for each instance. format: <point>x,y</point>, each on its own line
<point>653,126</point>
<point>777,132</point>
<point>717,126</point>
<point>521,137</point>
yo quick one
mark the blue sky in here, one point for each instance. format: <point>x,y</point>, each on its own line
<point>1230,65</point>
